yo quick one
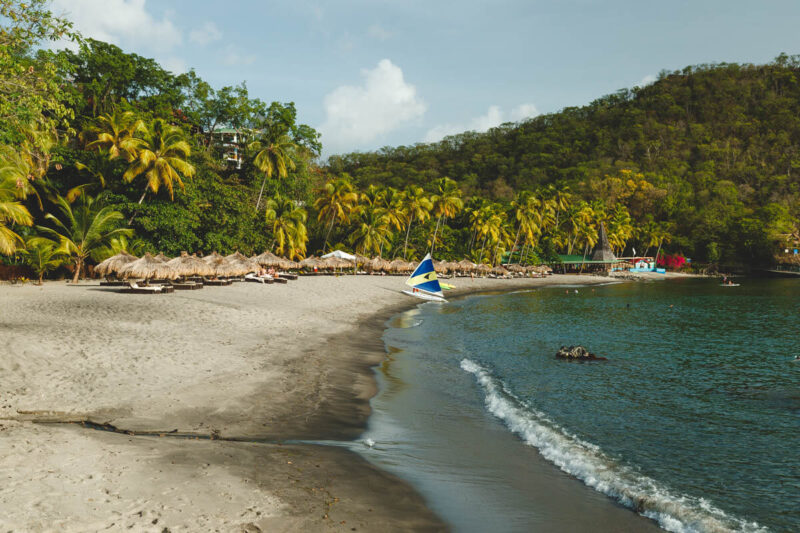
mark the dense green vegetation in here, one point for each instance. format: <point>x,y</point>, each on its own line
<point>103,150</point>
<point>717,145</point>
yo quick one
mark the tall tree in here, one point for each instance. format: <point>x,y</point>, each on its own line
<point>14,187</point>
<point>335,203</point>
<point>416,206</point>
<point>446,203</point>
<point>85,228</point>
<point>273,156</point>
<point>287,221</point>
<point>161,159</point>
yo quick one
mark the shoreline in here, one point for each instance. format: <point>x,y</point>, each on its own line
<point>285,388</point>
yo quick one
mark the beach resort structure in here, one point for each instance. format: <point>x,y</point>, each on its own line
<point>232,142</point>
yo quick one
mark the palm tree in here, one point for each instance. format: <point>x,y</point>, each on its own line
<point>42,256</point>
<point>14,187</point>
<point>446,203</point>
<point>288,224</point>
<point>88,227</point>
<point>273,155</point>
<point>115,134</point>
<point>336,202</point>
<point>372,231</point>
<point>416,205</point>
<point>161,159</point>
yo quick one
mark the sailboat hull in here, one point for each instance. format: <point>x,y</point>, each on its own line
<point>425,296</point>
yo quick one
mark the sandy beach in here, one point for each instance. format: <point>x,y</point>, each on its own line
<point>206,387</point>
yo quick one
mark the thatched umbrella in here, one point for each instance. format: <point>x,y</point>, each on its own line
<point>499,271</point>
<point>440,267</point>
<point>268,259</point>
<point>311,263</point>
<point>515,268</point>
<point>147,267</point>
<point>114,263</point>
<point>161,257</point>
<point>190,265</point>
<point>212,258</point>
<point>334,262</point>
<point>466,265</point>
<point>398,265</point>
<point>483,269</point>
<point>288,264</point>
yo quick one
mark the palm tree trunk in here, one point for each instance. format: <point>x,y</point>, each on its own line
<point>494,256</point>
<point>408,230</point>
<point>141,199</point>
<point>78,263</point>
<point>435,232</point>
<point>263,183</point>
<point>511,255</point>
<point>658,252</point>
<point>483,245</point>
<point>328,233</point>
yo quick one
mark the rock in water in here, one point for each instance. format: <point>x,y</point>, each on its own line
<point>577,353</point>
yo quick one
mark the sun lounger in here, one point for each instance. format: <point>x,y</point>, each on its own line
<point>259,279</point>
<point>186,286</point>
<point>286,275</point>
<point>135,288</point>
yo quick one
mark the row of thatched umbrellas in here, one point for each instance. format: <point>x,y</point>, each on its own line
<point>125,265</point>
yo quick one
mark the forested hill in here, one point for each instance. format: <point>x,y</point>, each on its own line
<point>721,141</point>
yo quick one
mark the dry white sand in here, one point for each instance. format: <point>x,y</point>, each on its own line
<point>242,362</point>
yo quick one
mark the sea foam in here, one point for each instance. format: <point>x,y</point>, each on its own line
<point>587,462</point>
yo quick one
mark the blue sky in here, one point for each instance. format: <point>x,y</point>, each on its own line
<point>376,73</point>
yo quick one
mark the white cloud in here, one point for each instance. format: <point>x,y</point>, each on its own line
<point>205,34</point>
<point>378,32</point>
<point>355,115</point>
<point>647,80</point>
<point>523,111</point>
<point>233,56</point>
<point>494,117</point>
<point>126,23</point>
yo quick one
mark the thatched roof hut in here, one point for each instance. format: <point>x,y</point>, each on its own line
<point>147,267</point>
<point>114,263</point>
<point>161,257</point>
<point>190,265</point>
<point>515,268</point>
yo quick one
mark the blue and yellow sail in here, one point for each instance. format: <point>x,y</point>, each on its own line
<point>424,278</point>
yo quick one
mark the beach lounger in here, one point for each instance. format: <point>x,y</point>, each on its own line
<point>135,288</point>
<point>286,275</point>
<point>259,279</point>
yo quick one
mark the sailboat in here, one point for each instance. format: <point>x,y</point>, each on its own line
<point>424,283</point>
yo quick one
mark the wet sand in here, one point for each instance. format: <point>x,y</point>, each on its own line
<point>250,366</point>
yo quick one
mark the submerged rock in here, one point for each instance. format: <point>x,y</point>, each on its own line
<point>577,353</point>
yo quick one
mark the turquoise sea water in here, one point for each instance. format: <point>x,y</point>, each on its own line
<point>694,422</point>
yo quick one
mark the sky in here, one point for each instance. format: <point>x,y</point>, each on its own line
<point>374,73</point>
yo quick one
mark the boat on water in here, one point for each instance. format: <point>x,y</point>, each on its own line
<point>424,283</point>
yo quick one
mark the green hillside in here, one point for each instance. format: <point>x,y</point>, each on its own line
<point>720,145</point>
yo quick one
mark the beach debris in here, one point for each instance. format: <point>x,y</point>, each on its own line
<point>577,353</point>
<point>369,443</point>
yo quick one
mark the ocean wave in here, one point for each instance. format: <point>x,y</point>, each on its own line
<point>587,462</point>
